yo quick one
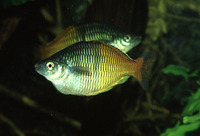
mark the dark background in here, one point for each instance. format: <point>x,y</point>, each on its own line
<point>30,105</point>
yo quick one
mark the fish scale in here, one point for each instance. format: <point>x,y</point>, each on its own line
<point>108,60</point>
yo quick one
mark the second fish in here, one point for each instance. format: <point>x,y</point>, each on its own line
<point>94,31</point>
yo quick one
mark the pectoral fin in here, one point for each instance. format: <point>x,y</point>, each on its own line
<point>80,70</point>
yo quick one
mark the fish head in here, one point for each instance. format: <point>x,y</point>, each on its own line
<point>125,42</point>
<point>51,69</point>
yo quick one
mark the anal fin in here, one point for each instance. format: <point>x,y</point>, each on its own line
<point>123,79</point>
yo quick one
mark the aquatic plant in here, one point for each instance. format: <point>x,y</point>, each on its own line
<point>190,121</point>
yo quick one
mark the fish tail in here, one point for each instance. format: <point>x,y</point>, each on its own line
<point>141,70</point>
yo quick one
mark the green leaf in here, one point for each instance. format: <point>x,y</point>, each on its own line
<point>181,130</point>
<point>177,70</point>
<point>193,104</point>
<point>162,6</point>
<point>198,82</point>
<point>194,73</point>
<point>191,122</point>
<point>191,119</point>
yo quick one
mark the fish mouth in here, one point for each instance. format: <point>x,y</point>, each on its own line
<point>39,69</point>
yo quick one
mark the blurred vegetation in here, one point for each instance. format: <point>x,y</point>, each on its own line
<point>190,122</point>
<point>30,105</point>
<point>8,3</point>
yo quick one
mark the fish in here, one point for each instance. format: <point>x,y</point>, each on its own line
<point>91,68</point>
<point>94,31</point>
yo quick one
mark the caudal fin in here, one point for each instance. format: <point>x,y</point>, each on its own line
<point>141,71</point>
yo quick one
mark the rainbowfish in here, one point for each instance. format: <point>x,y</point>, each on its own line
<point>94,31</point>
<point>90,68</point>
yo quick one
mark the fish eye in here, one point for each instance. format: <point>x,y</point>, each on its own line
<point>50,65</point>
<point>127,38</point>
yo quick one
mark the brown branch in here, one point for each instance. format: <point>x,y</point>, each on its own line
<point>183,18</point>
<point>7,28</point>
<point>148,96</point>
<point>133,116</point>
<point>12,125</point>
<point>187,19</point>
<point>156,108</point>
<point>58,12</point>
<point>175,55</point>
<point>155,116</point>
<point>31,103</point>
